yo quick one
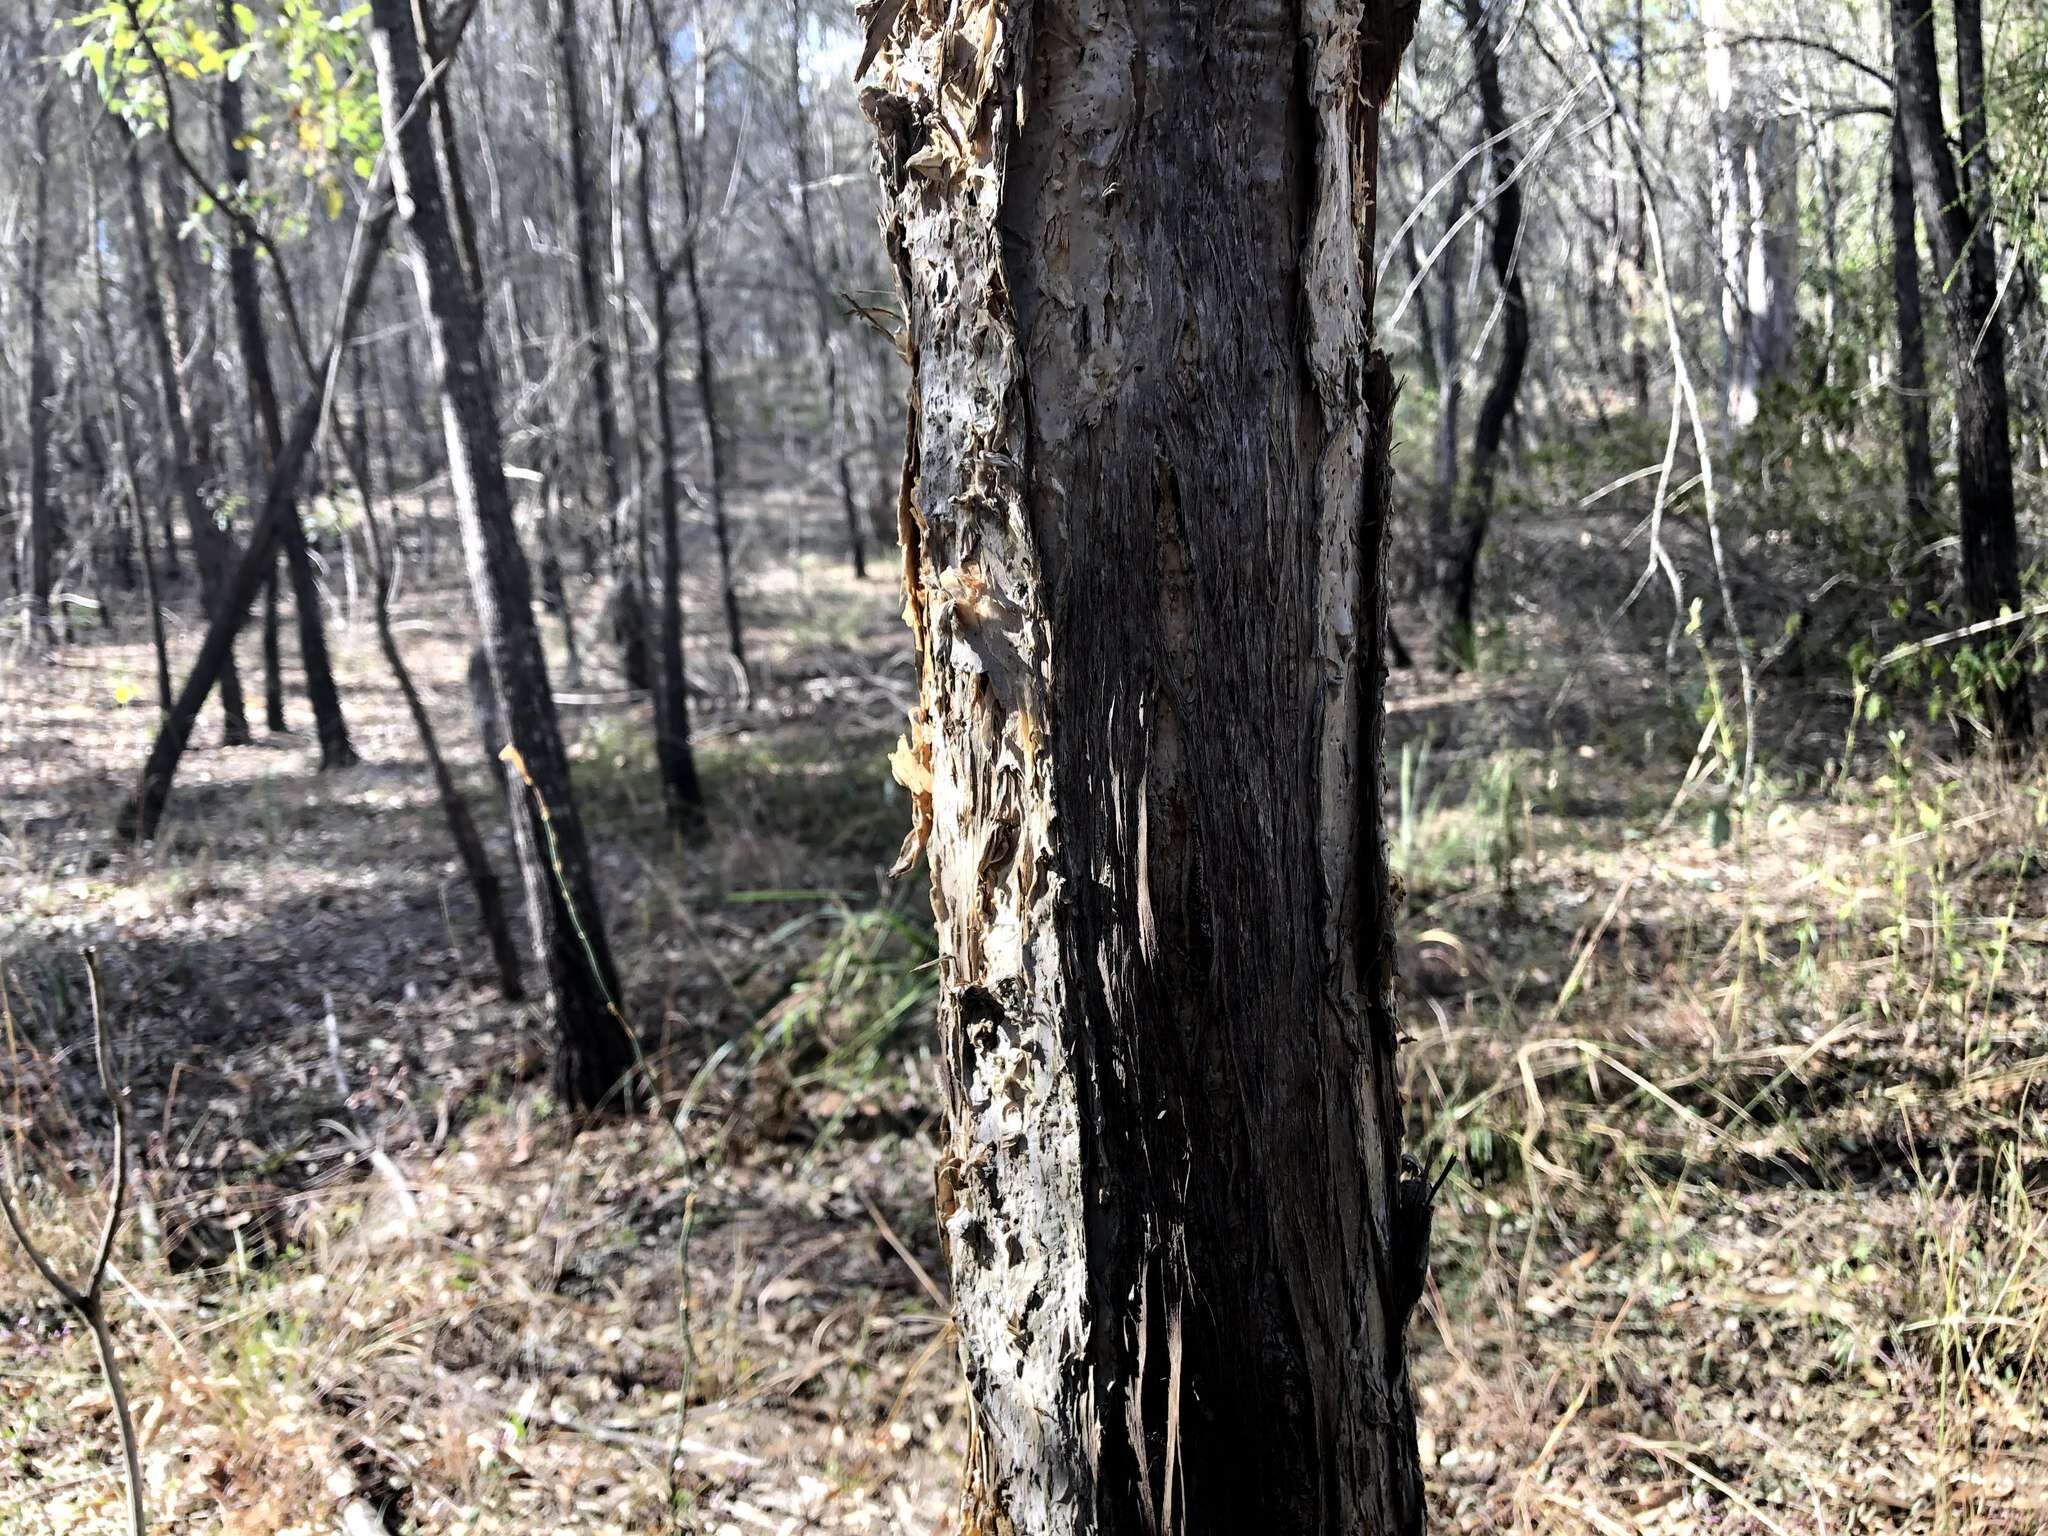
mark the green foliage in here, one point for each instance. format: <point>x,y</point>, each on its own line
<point>312,95</point>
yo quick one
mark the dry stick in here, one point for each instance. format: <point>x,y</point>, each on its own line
<point>87,1300</point>
<point>1638,155</point>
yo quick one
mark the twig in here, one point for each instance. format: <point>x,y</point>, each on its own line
<point>87,1300</point>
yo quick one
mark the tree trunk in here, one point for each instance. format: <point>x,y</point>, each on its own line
<point>629,611</point>
<point>209,554</point>
<point>1476,508</point>
<point>595,1052</point>
<point>686,162</point>
<point>681,791</point>
<point>462,831</point>
<point>124,440</point>
<point>141,815</point>
<point>335,749</point>
<point>1910,378</point>
<point>818,271</point>
<point>42,500</point>
<point>1960,236</point>
<point>1143,517</point>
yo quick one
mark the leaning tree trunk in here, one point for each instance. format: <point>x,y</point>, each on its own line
<point>336,751</point>
<point>595,1053</point>
<point>1143,519</point>
<point>141,815</point>
<point>1476,511</point>
<point>1960,236</point>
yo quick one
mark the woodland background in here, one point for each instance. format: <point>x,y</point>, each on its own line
<point>1723,941</point>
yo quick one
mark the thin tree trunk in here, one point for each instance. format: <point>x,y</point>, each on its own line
<point>1476,509</point>
<point>462,830</point>
<point>124,439</point>
<point>209,554</point>
<point>1145,562</point>
<point>681,792</point>
<point>1960,236</point>
<point>818,271</point>
<point>629,612</point>
<point>1910,380</point>
<point>142,814</point>
<point>595,1053</point>
<point>43,514</point>
<point>336,751</point>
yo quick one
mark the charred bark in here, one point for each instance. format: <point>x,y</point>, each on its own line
<point>1143,518</point>
<point>1910,380</point>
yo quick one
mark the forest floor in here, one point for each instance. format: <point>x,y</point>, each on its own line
<point>1748,1232</point>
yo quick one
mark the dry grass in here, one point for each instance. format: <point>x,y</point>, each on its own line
<point>1749,1233</point>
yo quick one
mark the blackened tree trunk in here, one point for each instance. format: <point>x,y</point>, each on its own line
<point>1476,510</point>
<point>1144,518</point>
<point>335,749</point>
<point>629,612</point>
<point>1960,236</point>
<point>209,552</point>
<point>1910,380</point>
<point>595,1054</point>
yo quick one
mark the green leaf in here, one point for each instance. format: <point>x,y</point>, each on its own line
<point>245,20</point>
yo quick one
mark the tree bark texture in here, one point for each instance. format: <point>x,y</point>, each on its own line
<point>1143,522</point>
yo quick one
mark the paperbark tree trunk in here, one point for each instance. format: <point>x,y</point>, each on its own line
<point>1960,236</point>
<point>594,1053</point>
<point>1143,516</point>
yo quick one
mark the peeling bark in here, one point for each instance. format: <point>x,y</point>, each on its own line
<point>1143,524</point>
